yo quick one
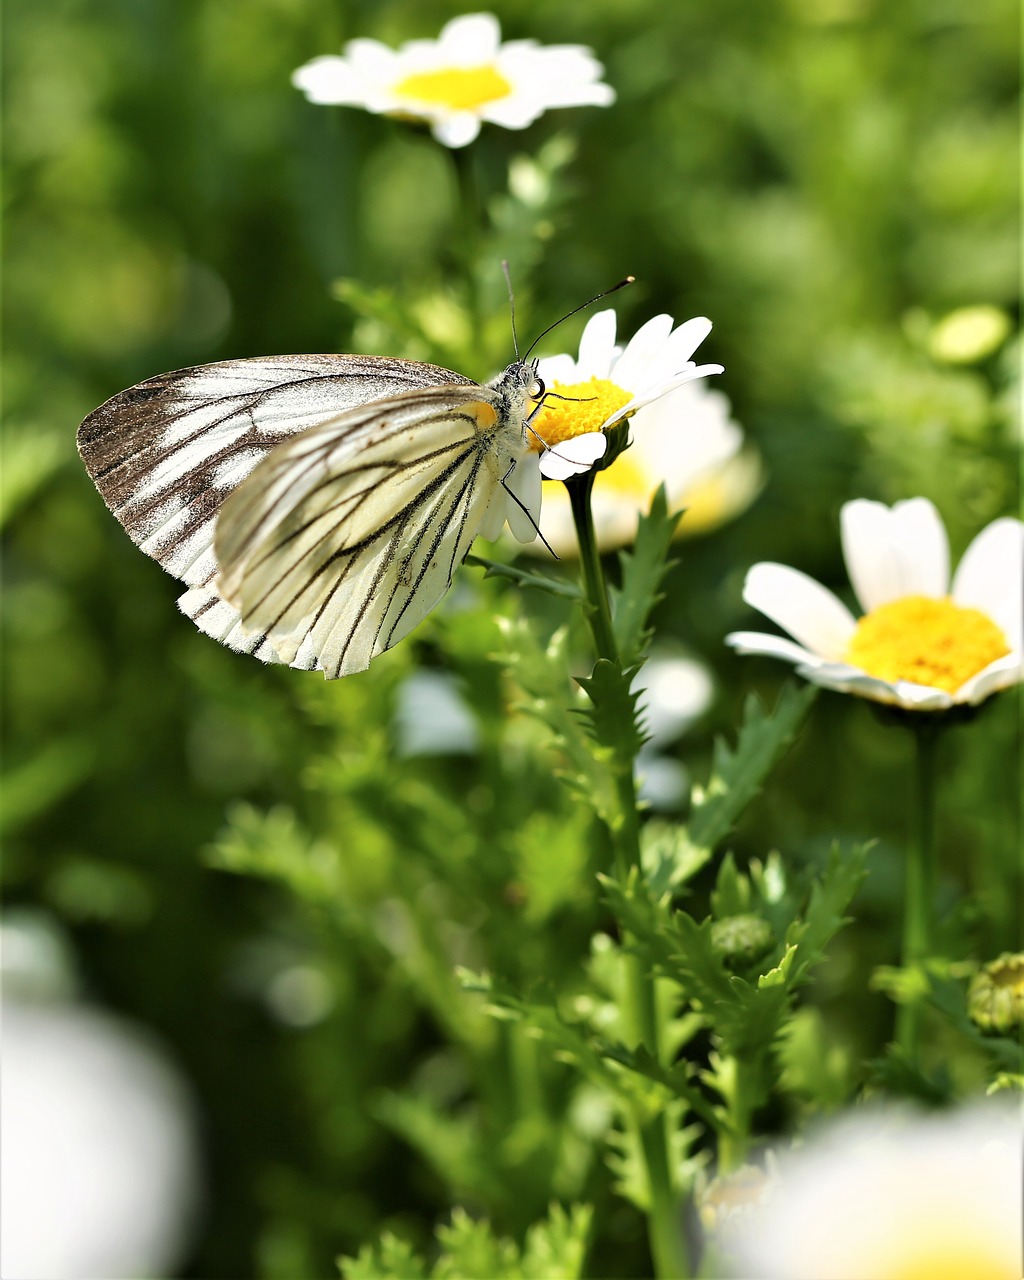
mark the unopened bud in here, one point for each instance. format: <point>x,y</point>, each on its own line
<point>995,1001</point>
<point>741,939</point>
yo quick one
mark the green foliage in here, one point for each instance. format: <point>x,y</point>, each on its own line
<point>253,863</point>
<point>467,1249</point>
<point>643,569</point>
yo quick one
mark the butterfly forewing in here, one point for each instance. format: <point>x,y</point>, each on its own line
<point>346,536</point>
<point>166,453</point>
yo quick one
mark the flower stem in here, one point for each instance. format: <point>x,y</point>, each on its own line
<point>664,1224</point>
<point>917,915</point>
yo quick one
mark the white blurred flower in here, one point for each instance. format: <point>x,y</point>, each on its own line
<point>674,692</point>
<point>922,643</point>
<point>891,1196</point>
<point>455,83</point>
<point>687,441</point>
<point>432,717</point>
<point>98,1170</point>
<point>606,384</point>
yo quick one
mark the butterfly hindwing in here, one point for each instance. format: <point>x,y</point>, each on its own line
<point>347,535</point>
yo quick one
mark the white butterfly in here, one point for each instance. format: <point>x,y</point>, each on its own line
<point>316,506</point>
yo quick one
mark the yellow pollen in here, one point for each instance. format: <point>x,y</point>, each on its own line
<point>587,407</point>
<point>461,88</point>
<point>926,641</point>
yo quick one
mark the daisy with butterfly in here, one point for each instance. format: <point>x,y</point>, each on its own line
<point>317,507</point>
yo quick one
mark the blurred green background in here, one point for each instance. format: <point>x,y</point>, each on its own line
<point>828,180</point>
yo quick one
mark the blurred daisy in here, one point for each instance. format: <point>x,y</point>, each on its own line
<point>675,691</point>
<point>99,1168</point>
<point>455,83</point>
<point>607,384</point>
<point>890,1196</point>
<point>922,643</point>
<point>686,441</point>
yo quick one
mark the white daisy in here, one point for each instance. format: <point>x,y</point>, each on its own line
<point>922,643</point>
<point>607,384</point>
<point>458,81</point>
<point>686,441</point>
<point>890,1196</point>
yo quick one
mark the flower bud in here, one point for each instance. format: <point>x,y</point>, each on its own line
<point>995,1001</point>
<point>741,939</point>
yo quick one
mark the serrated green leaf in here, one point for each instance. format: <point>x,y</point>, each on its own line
<point>390,1259</point>
<point>643,569</point>
<point>541,581</point>
<point>737,774</point>
<point>612,716</point>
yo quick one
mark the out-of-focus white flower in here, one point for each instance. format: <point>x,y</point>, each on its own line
<point>891,1196</point>
<point>432,718</point>
<point>674,692</point>
<point>686,441</point>
<point>455,83</point>
<point>98,1167</point>
<point>922,643</point>
<point>606,384</point>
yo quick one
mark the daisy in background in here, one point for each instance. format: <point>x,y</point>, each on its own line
<point>686,441</point>
<point>889,1195</point>
<point>606,385</point>
<point>923,643</point>
<point>455,83</point>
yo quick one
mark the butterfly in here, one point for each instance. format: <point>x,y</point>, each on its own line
<point>316,507</point>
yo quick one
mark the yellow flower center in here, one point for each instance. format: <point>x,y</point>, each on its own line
<point>955,1263</point>
<point>926,641</point>
<point>461,88</point>
<point>587,407</point>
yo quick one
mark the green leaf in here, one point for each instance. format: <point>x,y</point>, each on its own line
<point>390,1259</point>
<point>554,586</point>
<point>825,913</point>
<point>554,1249</point>
<point>737,774</point>
<point>612,716</point>
<point>642,569</point>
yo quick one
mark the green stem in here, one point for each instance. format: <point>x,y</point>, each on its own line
<point>664,1224</point>
<point>470,224</point>
<point>917,914</point>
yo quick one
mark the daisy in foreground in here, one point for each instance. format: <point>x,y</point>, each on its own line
<point>606,385</point>
<point>455,83</point>
<point>686,441</point>
<point>923,643</point>
<point>891,1196</point>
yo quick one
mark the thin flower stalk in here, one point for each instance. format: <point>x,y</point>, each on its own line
<point>664,1220</point>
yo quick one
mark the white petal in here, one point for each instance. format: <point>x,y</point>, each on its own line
<point>524,504</point>
<point>597,345</point>
<point>471,39</point>
<point>760,642</point>
<point>801,606</point>
<point>560,368</point>
<point>632,369</point>
<point>685,340</point>
<point>1000,674</point>
<point>573,457</point>
<point>990,577</point>
<point>330,81</point>
<point>846,679</point>
<point>456,130</point>
<point>891,552</point>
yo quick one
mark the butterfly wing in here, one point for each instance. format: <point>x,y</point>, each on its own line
<point>347,535</point>
<point>166,453</point>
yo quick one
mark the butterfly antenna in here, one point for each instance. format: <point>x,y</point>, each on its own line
<point>582,307</point>
<point>511,305</point>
